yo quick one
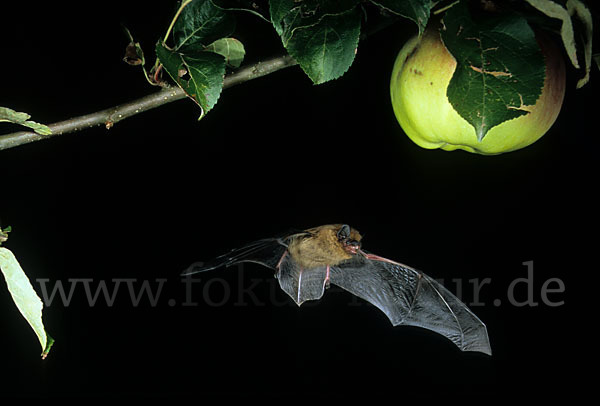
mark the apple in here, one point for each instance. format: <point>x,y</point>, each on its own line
<point>420,77</point>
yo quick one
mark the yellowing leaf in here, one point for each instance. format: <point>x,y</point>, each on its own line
<point>576,7</point>
<point>555,10</point>
<point>573,8</point>
<point>11,116</point>
<point>231,48</point>
<point>24,296</point>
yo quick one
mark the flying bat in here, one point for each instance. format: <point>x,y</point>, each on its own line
<point>307,262</point>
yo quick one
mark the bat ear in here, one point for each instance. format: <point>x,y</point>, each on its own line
<point>344,232</point>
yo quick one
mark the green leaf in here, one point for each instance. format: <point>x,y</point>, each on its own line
<point>597,59</point>
<point>24,296</point>
<point>232,49</point>
<point>9,115</point>
<point>500,67</point>
<point>289,15</point>
<point>200,23</point>
<point>321,36</point>
<point>279,10</point>
<point>415,10</point>
<point>200,76</point>
<point>325,51</point>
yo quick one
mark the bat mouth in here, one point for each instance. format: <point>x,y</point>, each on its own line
<point>351,246</point>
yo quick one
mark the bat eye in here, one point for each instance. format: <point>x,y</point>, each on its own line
<point>344,232</point>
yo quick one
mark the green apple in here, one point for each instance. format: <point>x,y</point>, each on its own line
<point>420,77</point>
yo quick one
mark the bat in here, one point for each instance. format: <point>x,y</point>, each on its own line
<point>307,262</point>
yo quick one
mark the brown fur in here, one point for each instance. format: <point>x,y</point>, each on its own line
<point>320,247</point>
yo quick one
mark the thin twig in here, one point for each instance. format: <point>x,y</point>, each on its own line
<point>183,5</point>
<point>113,115</point>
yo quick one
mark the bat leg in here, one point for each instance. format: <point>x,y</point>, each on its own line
<point>327,280</point>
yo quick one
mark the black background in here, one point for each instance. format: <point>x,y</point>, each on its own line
<point>160,191</point>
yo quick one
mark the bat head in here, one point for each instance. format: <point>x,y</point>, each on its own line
<point>349,238</point>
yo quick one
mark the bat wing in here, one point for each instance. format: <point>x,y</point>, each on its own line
<point>301,284</point>
<point>409,297</point>
<point>267,252</point>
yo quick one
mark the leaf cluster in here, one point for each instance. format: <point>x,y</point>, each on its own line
<point>500,67</point>
<point>322,36</point>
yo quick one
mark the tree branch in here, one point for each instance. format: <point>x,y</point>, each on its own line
<point>113,115</point>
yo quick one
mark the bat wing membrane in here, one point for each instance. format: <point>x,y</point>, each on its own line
<point>267,252</point>
<point>406,295</point>
<point>301,284</point>
<point>409,297</point>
